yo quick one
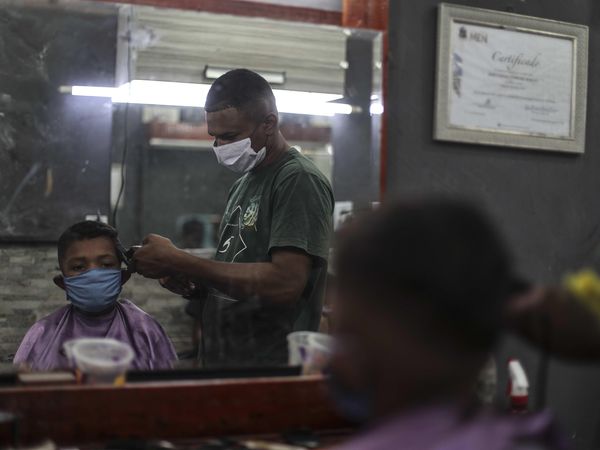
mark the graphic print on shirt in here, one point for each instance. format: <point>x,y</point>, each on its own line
<point>251,214</point>
<point>232,232</point>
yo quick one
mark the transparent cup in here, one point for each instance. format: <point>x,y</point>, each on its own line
<point>310,350</point>
<point>68,348</point>
<point>102,361</point>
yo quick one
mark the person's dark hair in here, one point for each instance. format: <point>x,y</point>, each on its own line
<point>438,258</point>
<point>85,230</point>
<point>244,90</point>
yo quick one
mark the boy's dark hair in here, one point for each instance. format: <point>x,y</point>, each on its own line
<point>88,229</point>
<point>440,259</point>
<point>244,90</point>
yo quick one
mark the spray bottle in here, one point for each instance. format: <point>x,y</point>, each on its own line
<point>518,388</point>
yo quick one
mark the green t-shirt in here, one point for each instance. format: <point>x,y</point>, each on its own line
<point>286,204</point>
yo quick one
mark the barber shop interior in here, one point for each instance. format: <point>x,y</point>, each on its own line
<point>299,224</point>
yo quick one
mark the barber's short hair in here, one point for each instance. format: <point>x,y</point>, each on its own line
<point>442,258</point>
<point>244,90</point>
<point>81,231</point>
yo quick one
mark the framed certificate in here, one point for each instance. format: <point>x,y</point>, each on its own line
<point>511,80</point>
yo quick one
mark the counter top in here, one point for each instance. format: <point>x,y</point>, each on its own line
<point>170,410</point>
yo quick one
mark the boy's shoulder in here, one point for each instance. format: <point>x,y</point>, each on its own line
<point>52,319</point>
<point>137,316</point>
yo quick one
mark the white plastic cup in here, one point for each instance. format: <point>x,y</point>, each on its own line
<point>68,348</point>
<point>319,353</point>
<point>102,361</point>
<point>310,350</point>
<point>297,344</point>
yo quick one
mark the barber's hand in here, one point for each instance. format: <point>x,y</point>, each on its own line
<point>156,257</point>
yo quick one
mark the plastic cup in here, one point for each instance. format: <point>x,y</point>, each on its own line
<point>297,344</point>
<point>310,350</point>
<point>68,348</point>
<point>102,361</point>
<point>319,353</point>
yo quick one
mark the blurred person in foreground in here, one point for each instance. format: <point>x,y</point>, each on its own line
<point>90,264</point>
<point>420,304</point>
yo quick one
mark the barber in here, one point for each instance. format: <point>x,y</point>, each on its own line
<point>268,275</point>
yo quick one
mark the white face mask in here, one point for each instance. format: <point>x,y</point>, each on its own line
<point>239,156</point>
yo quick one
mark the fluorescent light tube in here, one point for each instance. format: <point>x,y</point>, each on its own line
<point>93,91</point>
<point>212,73</point>
<point>148,92</point>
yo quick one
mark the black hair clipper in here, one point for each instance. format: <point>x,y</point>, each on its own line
<point>126,255</point>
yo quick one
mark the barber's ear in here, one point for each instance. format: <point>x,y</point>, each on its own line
<point>125,276</point>
<point>59,281</point>
<point>271,124</point>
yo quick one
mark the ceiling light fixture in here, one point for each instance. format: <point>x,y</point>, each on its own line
<point>212,73</point>
<point>163,93</point>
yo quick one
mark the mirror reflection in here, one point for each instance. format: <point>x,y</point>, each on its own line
<point>124,126</point>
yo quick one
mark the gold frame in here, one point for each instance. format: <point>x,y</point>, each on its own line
<point>579,34</point>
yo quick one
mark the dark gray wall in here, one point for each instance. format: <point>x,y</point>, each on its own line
<point>547,204</point>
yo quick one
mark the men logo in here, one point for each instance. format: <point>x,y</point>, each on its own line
<point>477,36</point>
<point>251,214</point>
<point>480,37</point>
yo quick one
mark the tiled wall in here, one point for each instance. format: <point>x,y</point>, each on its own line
<point>27,294</point>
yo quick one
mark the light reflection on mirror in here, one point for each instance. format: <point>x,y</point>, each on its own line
<point>100,115</point>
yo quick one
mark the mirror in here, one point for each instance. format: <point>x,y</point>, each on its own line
<point>101,116</point>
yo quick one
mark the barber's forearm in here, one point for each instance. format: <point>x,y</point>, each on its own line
<point>240,280</point>
<point>561,325</point>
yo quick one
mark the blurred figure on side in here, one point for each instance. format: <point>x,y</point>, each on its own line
<point>421,297</point>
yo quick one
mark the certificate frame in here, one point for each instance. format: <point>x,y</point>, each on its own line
<point>446,130</point>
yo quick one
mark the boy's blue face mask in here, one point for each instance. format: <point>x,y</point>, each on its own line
<point>94,291</point>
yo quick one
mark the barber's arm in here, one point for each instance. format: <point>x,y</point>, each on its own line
<point>555,319</point>
<point>280,281</point>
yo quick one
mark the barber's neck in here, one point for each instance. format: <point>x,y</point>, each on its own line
<point>276,148</point>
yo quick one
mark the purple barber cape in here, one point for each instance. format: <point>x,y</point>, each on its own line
<point>42,346</point>
<point>442,428</point>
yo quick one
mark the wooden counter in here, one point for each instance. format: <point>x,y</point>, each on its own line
<point>170,410</point>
